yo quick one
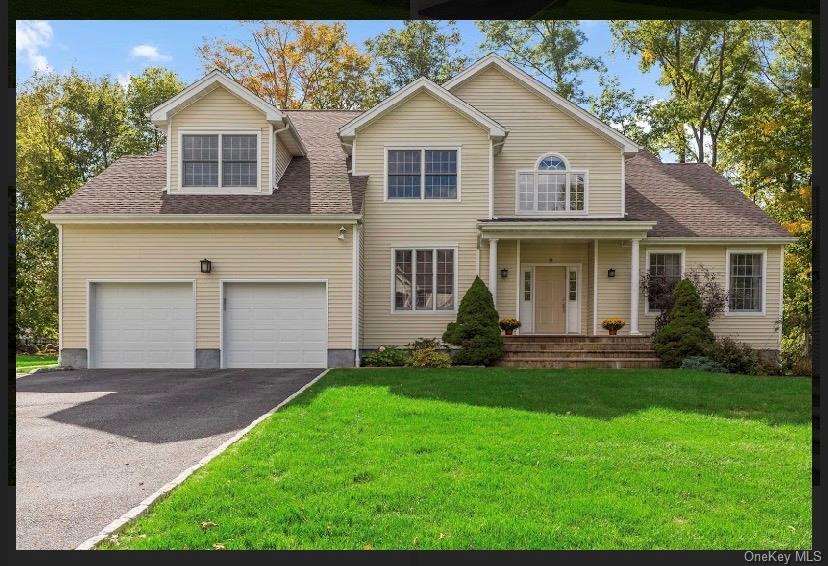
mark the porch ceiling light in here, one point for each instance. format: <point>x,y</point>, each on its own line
<point>504,273</point>
<point>206,265</point>
<point>611,272</point>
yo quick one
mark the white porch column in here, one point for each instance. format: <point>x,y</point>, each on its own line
<point>634,289</point>
<point>493,269</point>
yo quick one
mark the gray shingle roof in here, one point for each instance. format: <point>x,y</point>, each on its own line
<point>692,200</point>
<point>316,184</point>
<point>686,200</point>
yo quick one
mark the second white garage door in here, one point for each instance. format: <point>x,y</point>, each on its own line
<point>273,325</point>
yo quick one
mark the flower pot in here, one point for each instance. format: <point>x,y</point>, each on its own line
<point>508,331</point>
<point>613,332</point>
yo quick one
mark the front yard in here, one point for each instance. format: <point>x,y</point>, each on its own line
<point>502,458</point>
<point>25,363</point>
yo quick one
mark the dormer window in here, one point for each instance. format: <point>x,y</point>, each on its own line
<point>551,188</point>
<point>218,160</point>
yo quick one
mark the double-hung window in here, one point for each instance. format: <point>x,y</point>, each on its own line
<point>424,279</point>
<point>746,282</point>
<point>664,266</point>
<point>551,188</point>
<point>422,174</point>
<point>219,160</point>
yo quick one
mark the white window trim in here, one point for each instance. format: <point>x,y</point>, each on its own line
<point>536,174</point>
<point>403,147</point>
<point>414,249</point>
<point>649,252</point>
<point>219,189</point>
<point>764,296</point>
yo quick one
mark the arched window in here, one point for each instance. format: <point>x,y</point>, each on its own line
<point>552,162</point>
<point>552,188</point>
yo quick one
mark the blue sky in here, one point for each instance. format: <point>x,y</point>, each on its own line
<point>121,48</point>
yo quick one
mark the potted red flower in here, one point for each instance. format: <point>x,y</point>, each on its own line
<point>613,325</point>
<point>508,325</point>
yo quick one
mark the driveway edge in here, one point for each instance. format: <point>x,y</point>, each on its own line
<point>146,504</point>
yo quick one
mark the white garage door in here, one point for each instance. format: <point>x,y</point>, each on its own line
<point>272,325</point>
<point>142,325</point>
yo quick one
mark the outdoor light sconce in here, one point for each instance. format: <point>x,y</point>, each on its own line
<point>342,231</point>
<point>611,272</point>
<point>206,265</point>
<point>504,273</point>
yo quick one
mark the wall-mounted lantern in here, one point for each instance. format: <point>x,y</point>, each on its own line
<point>206,265</point>
<point>504,273</point>
<point>342,231</point>
<point>611,272</point>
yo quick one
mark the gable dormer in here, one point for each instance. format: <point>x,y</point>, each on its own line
<point>559,160</point>
<point>222,139</point>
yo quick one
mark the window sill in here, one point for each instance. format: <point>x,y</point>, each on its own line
<point>219,191</point>
<point>425,312</point>
<point>422,200</point>
<point>745,314</point>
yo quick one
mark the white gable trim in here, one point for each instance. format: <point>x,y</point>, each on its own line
<point>161,114</point>
<point>576,112</point>
<point>348,131</point>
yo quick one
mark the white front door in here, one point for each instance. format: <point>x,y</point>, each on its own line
<point>272,325</point>
<point>141,325</point>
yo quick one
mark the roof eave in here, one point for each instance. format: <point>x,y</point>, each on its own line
<point>348,131</point>
<point>629,146</point>
<point>161,114</point>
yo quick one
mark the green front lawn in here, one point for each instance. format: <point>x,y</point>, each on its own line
<point>503,458</point>
<point>26,363</point>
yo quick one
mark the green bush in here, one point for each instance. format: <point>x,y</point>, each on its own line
<point>476,330</point>
<point>702,363</point>
<point>386,356</point>
<point>429,358</point>
<point>425,344</point>
<point>736,356</point>
<point>688,332</point>
<point>769,366</point>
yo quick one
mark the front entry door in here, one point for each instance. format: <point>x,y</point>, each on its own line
<point>550,300</point>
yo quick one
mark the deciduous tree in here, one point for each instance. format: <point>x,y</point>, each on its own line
<point>421,48</point>
<point>297,64</point>
<point>549,49</point>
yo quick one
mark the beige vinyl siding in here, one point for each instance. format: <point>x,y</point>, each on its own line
<point>423,120</point>
<point>361,289</point>
<point>219,109</point>
<point>242,251</point>
<point>535,128</point>
<point>281,161</point>
<point>614,292</point>
<point>757,330</point>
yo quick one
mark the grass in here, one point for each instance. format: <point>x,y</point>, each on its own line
<point>502,458</point>
<point>27,363</point>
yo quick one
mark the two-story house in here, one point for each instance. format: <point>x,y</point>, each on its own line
<point>260,237</point>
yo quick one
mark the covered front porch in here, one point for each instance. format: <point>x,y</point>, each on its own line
<point>562,277</point>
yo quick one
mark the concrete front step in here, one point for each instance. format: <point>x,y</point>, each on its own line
<point>536,338</point>
<point>589,363</point>
<point>573,346</point>
<point>593,353</point>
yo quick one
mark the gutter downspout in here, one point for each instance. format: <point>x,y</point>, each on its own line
<point>273,153</point>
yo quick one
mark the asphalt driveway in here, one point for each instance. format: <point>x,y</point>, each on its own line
<point>93,444</point>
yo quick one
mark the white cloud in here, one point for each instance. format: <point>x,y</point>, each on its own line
<point>30,37</point>
<point>123,79</point>
<point>148,52</point>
